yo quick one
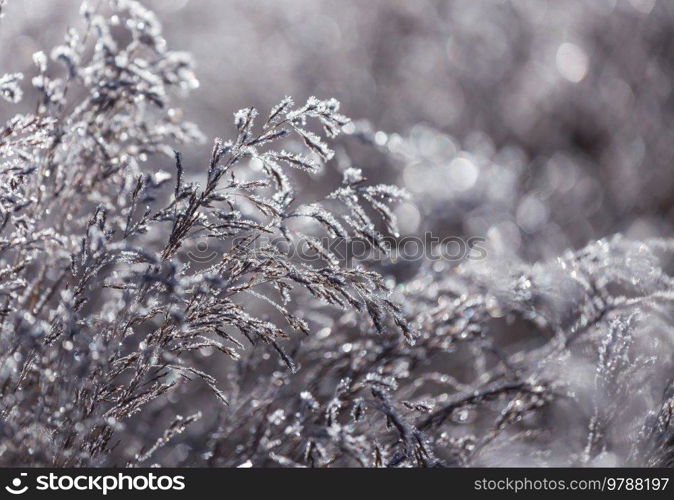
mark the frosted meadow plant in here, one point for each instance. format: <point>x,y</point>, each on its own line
<point>116,348</point>
<point>99,320</point>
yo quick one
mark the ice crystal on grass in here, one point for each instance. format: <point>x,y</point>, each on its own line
<point>10,90</point>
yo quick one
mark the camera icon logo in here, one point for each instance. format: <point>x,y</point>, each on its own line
<point>201,253</point>
<point>15,488</point>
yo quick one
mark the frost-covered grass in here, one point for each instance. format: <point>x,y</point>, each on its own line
<point>120,345</point>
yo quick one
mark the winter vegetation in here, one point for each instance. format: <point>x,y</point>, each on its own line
<point>156,309</point>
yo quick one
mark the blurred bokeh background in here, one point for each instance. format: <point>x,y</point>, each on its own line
<point>540,125</point>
